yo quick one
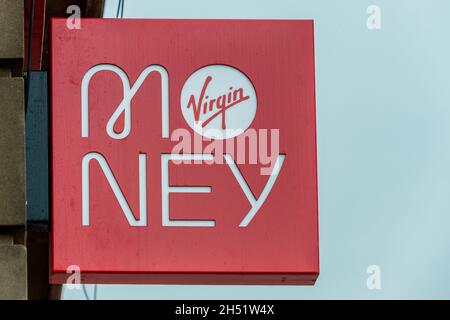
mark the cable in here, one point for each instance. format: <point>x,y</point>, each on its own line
<point>95,291</point>
<point>119,8</point>
<point>86,293</point>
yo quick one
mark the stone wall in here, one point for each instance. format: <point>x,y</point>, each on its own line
<point>13,255</point>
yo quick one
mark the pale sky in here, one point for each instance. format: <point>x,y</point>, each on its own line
<point>383,147</point>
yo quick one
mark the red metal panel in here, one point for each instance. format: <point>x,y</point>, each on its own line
<point>37,35</point>
<point>278,246</point>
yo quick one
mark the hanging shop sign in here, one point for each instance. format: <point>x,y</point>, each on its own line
<point>184,151</point>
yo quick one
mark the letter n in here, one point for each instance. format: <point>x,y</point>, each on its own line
<point>142,221</point>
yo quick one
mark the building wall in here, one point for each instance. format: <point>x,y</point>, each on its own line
<point>13,255</point>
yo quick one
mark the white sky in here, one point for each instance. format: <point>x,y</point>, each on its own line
<point>383,147</point>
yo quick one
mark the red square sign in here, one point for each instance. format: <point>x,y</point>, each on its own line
<point>184,151</point>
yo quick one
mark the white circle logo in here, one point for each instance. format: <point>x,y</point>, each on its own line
<point>218,102</point>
